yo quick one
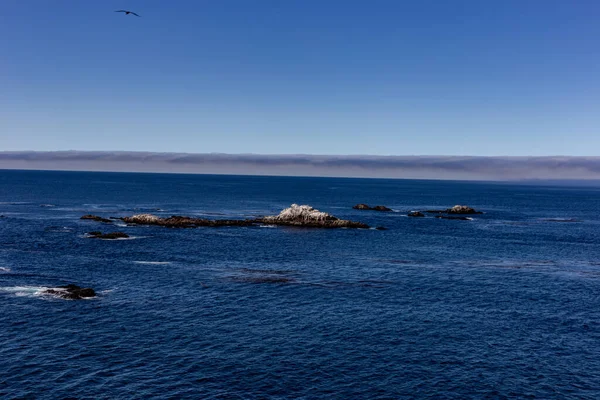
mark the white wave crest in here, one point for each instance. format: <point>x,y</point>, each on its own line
<point>24,291</point>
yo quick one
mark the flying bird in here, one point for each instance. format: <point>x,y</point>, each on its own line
<point>127,12</point>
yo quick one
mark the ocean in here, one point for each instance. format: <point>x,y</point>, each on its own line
<point>503,306</point>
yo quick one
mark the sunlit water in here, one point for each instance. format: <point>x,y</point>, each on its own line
<point>504,306</point>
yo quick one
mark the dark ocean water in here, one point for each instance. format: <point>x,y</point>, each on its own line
<point>504,306</point>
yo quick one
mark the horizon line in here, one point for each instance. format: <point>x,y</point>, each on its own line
<point>436,167</point>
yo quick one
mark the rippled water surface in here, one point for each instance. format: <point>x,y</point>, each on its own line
<point>506,305</point>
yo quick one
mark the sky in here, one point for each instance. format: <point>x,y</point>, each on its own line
<point>326,77</point>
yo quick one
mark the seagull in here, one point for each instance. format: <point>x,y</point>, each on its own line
<point>127,12</point>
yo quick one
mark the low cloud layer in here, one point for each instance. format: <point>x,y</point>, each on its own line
<point>415,167</point>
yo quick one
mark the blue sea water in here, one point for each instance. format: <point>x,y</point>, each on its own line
<point>506,305</point>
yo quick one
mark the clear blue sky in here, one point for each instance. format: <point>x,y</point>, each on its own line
<point>511,77</point>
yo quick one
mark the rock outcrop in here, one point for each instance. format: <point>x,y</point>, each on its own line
<point>301,216</point>
<point>306,216</point>
<point>367,207</point>
<point>458,209</point>
<point>96,218</point>
<point>177,221</point>
<point>71,292</point>
<point>111,235</point>
<point>415,214</point>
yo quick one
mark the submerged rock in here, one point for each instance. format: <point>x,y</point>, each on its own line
<point>451,217</point>
<point>111,235</point>
<point>306,216</point>
<point>381,208</point>
<point>367,207</point>
<point>71,292</point>
<point>416,214</point>
<point>96,218</point>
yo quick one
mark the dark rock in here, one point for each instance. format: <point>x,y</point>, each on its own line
<point>381,208</point>
<point>177,221</point>
<point>71,292</point>
<point>111,235</point>
<point>96,218</point>
<point>450,217</point>
<point>458,209</point>
<point>366,207</point>
<point>416,214</point>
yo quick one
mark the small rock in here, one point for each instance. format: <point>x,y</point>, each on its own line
<point>112,235</point>
<point>381,208</point>
<point>458,209</point>
<point>362,206</point>
<point>71,292</point>
<point>96,218</point>
<point>416,214</point>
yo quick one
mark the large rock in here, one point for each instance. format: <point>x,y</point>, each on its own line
<point>177,221</point>
<point>96,218</point>
<point>307,216</point>
<point>71,292</point>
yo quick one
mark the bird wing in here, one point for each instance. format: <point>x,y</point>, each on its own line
<point>134,13</point>
<point>121,11</point>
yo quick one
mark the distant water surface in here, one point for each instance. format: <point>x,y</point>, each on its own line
<point>506,305</point>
